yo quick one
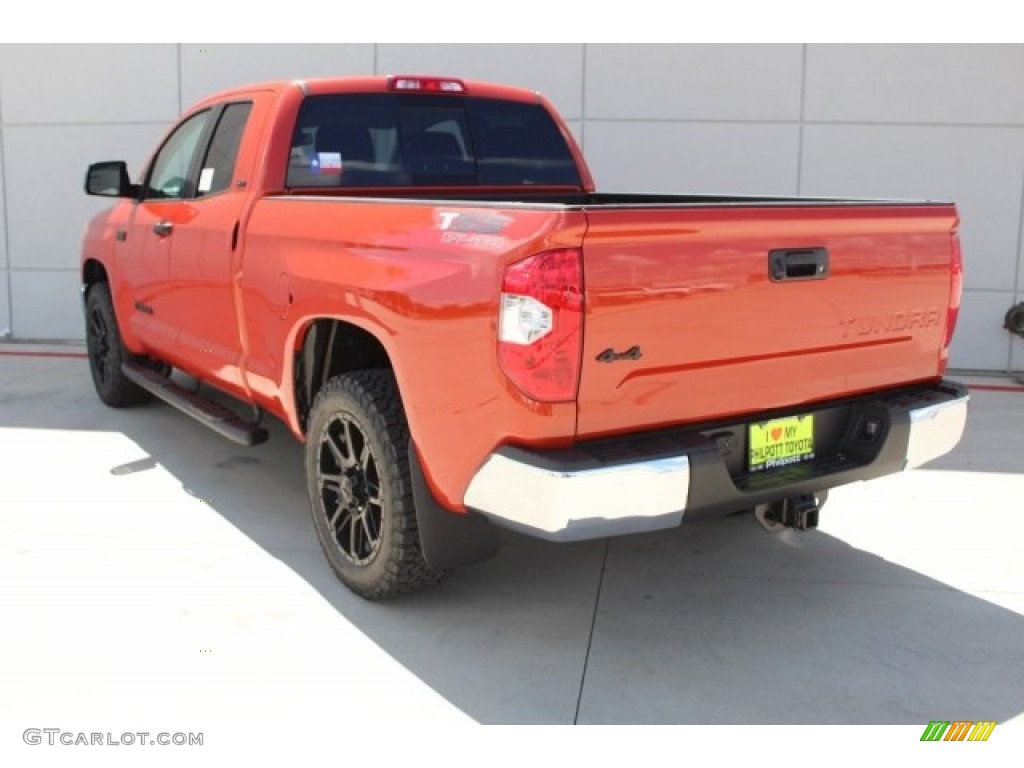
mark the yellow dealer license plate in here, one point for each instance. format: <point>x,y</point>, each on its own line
<point>780,442</point>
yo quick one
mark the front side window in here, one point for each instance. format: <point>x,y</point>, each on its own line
<point>359,140</point>
<point>169,177</point>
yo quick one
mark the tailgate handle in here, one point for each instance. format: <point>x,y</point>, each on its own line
<point>798,264</point>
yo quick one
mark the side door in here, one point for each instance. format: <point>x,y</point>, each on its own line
<point>205,256</point>
<point>147,298</point>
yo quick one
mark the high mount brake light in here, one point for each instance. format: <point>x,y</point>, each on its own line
<point>540,324</point>
<point>425,84</point>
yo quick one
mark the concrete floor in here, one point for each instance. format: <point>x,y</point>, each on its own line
<point>153,572</point>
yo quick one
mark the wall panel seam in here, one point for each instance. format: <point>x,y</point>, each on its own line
<point>800,132</point>
<point>91,124</point>
<point>1020,236</point>
<point>583,100</point>
<point>177,55</point>
<point>806,122</point>
<point>72,270</point>
<point>1020,268</point>
<point>7,228</point>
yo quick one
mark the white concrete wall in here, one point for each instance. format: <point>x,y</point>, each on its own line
<point>937,121</point>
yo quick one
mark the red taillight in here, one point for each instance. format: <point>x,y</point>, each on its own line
<point>425,84</point>
<point>540,324</point>
<point>956,287</point>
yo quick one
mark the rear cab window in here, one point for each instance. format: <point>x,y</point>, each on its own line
<point>409,140</point>
<point>219,164</point>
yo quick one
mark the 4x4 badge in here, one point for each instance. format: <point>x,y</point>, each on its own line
<point>611,356</point>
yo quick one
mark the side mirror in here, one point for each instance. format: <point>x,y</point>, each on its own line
<point>110,179</point>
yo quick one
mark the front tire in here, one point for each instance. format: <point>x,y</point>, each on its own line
<point>106,351</point>
<point>360,490</point>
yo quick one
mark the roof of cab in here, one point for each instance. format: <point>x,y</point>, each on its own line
<point>375,84</point>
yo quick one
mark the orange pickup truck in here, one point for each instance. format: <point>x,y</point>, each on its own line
<point>418,277</point>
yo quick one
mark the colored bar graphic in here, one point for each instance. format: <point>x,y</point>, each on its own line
<point>958,730</point>
<point>982,730</point>
<point>935,730</point>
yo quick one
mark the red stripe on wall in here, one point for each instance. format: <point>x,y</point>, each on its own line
<point>995,388</point>
<point>77,355</point>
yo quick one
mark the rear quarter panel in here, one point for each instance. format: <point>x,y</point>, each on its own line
<point>428,293</point>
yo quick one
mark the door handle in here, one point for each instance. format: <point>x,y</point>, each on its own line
<point>788,264</point>
<point>163,228</point>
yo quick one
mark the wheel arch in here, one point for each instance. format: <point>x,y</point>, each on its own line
<point>326,347</point>
<point>93,271</point>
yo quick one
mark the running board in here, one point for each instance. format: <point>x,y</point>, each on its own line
<point>214,415</point>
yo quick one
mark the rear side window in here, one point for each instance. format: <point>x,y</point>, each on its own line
<point>219,164</point>
<point>368,140</point>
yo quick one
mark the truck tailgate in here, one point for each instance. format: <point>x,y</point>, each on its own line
<point>696,313</point>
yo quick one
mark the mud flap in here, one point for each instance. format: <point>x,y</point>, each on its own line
<point>448,539</point>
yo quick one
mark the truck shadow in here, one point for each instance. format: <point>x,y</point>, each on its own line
<point>715,622</point>
<point>718,623</point>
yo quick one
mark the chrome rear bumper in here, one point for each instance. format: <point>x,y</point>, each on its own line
<point>584,503</point>
<point>646,484</point>
<point>935,430</point>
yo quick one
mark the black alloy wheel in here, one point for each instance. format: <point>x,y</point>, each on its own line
<point>360,488</point>
<point>350,491</point>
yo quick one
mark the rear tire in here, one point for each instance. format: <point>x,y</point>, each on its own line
<point>107,352</point>
<point>360,489</point>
